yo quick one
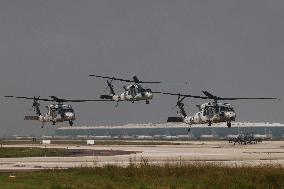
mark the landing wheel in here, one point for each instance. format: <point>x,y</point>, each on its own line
<point>188,130</point>
<point>70,122</point>
<point>229,124</point>
<point>209,123</point>
<point>147,101</point>
<point>53,123</point>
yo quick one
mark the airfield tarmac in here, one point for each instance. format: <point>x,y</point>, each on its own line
<point>181,152</point>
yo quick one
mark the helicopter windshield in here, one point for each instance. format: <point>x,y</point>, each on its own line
<point>141,89</point>
<point>68,110</point>
<point>230,109</point>
<point>210,110</point>
<point>133,91</point>
<point>226,109</point>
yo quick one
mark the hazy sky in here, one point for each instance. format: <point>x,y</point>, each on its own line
<point>231,48</point>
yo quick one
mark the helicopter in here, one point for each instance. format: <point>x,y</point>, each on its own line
<point>133,92</point>
<point>210,112</point>
<point>56,112</point>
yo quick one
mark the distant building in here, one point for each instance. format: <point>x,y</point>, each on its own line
<point>171,130</point>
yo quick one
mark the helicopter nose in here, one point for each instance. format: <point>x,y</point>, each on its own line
<point>231,115</point>
<point>69,115</point>
<point>149,93</point>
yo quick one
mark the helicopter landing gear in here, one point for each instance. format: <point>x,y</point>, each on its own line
<point>229,124</point>
<point>209,123</point>
<point>70,122</point>
<point>147,101</point>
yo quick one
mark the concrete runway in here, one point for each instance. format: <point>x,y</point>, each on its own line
<point>219,152</point>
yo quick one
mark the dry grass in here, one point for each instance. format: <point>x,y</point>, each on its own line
<point>146,176</point>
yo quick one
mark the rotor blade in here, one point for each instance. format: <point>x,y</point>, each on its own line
<point>137,81</point>
<point>67,100</point>
<point>221,98</point>
<point>29,98</point>
<point>56,99</point>
<point>183,95</point>
<point>113,78</point>
<point>125,80</point>
<point>150,82</point>
<point>180,100</point>
<point>9,96</point>
<point>209,95</point>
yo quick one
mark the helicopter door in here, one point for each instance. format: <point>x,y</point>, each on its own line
<point>133,91</point>
<point>53,112</point>
<point>210,112</point>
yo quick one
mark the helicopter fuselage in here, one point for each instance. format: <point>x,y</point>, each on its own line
<point>212,113</point>
<point>132,93</point>
<point>58,113</point>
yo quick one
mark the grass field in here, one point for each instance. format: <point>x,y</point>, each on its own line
<point>145,176</point>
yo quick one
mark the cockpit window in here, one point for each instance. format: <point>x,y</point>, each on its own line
<point>231,109</point>
<point>209,110</point>
<point>226,109</point>
<point>133,91</point>
<point>142,90</point>
<point>69,110</point>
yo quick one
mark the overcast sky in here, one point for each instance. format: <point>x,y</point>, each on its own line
<point>230,48</point>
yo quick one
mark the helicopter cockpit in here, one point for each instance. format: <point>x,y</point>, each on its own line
<point>59,109</point>
<point>133,91</point>
<point>210,110</point>
<point>226,109</point>
<point>143,90</point>
<point>66,109</point>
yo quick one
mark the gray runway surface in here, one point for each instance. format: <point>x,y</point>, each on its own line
<point>220,152</point>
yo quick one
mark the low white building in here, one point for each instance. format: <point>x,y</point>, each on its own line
<point>90,142</point>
